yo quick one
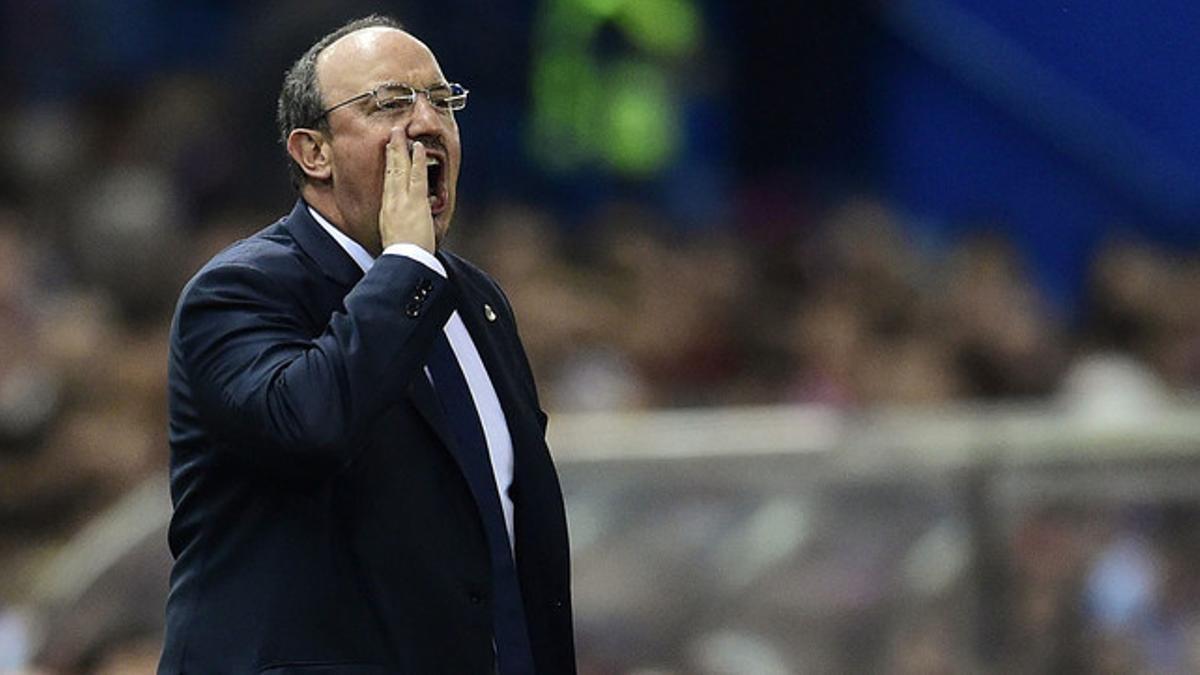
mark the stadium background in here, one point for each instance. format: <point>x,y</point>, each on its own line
<point>869,331</point>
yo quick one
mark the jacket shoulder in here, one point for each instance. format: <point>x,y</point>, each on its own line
<point>472,275</point>
<point>266,251</point>
<point>268,268</point>
<point>271,256</point>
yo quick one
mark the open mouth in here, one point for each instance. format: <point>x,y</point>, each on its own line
<point>437,184</point>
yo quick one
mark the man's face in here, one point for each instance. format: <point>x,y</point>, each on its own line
<point>357,63</point>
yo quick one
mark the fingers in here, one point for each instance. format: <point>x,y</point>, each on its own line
<point>397,162</point>
<point>404,211</point>
<point>395,169</point>
<point>401,171</point>
<point>419,181</point>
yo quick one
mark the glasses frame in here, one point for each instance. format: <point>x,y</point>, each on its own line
<point>455,102</point>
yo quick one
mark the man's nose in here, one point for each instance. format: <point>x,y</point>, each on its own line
<point>425,118</point>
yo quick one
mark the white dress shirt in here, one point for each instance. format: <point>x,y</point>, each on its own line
<point>487,403</point>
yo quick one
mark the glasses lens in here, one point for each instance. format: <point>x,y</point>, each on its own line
<point>400,96</point>
<point>448,97</point>
<point>394,96</point>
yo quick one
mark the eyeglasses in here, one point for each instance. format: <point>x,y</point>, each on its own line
<point>446,97</point>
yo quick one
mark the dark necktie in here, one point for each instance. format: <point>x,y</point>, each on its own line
<point>513,653</point>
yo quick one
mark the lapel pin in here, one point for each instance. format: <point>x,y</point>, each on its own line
<point>488,312</point>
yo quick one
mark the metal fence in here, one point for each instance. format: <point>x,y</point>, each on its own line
<point>790,540</point>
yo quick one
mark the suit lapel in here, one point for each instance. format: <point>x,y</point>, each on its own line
<point>424,399</point>
<point>487,336</point>
<point>331,259</point>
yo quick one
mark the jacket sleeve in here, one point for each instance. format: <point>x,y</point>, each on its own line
<point>264,385</point>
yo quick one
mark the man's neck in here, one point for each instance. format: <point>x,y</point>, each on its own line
<point>323,202</point>
<point>352,248</point>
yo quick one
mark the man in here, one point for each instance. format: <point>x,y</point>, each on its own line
<point>358,466</point>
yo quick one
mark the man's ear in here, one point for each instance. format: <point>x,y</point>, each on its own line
<point>310,149</point>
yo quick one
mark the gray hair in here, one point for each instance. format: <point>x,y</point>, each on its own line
<point>300,101</point>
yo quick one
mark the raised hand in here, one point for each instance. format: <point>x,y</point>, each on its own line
<point>404,215</point>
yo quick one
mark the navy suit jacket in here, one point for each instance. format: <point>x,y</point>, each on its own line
<point>321,521</point>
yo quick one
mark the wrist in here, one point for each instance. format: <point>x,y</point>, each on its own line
<point>417,253</point>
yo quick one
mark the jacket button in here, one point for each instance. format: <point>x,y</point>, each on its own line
<point>475,598</point>
<point>425,285</point>
<point>557,604</point>
<point>413,310</point>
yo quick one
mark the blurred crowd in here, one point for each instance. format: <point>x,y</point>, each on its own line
<point>1098,587</point>
<point>841,309</point>
<point>893,579</point>
<point>623,312</point>
<point>104,214</point>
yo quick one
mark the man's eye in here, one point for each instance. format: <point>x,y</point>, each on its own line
<point>392,103</point>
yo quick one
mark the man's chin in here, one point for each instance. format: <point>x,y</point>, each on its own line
<point>441,226</point>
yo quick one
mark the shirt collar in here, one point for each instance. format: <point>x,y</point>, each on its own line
<point>351,247</point>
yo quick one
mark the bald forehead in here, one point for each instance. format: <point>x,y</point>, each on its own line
<point>371,56</point>
<point>369,41</point>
